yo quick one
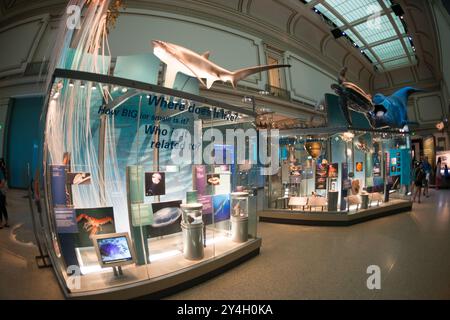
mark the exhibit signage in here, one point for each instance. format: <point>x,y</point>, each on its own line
<point>66,220</point>
<point>58,177</point>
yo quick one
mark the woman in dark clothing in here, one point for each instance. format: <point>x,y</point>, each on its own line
<point>419,176</point>
<point>438,175</point>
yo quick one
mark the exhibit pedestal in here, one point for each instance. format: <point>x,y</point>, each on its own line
<point>193,241</point>
<point>117,271</point>
<point>239,229</point>
<point>333,197</point>
<point>364,201</point>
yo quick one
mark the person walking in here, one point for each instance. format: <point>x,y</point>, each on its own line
<point>438,175</point>
<point>412,178</point>
<point>426,181</point>
<point>3,210</point>
<point>419,176</point>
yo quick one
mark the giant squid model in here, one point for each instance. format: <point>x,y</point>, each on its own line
<point>380,111</point>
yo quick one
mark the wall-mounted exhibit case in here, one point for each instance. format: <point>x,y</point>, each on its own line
<point>129,166</point>
<point>339,176</point>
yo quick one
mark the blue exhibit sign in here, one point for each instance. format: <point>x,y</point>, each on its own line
<point>58,177</point>
<point>400,164</point>
<point>66,221</point>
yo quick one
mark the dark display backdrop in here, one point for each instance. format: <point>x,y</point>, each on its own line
<point>155,184</point>
<point>93,221</point>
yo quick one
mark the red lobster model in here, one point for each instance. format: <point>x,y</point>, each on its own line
<point>92,224</point>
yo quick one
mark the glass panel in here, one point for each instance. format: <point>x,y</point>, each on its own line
<point>396,63</point>
<point>389,50</point>
<point>373,32</point>
<point>370,55</point>
<point>353,10</point>
<point>354,38</point>
<point>340,172</point>
<point>130,163</point>
<point>399,23</point>
<point>329,15</point>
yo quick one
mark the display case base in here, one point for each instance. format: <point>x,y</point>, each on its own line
<point>171,283</point>
<point>334,218</point>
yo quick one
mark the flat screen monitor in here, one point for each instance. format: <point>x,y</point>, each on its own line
<point>114,249</point>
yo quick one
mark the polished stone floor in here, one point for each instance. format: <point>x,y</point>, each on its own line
<point>412,251</point>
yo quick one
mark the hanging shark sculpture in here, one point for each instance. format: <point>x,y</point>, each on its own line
<point>380,111</point>
<point>180,59</point>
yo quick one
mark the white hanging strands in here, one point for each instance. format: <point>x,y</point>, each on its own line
<point>72,120</point>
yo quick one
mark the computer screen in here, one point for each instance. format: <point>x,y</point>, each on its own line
<point>114,249</point>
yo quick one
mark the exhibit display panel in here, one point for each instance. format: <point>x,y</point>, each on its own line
<point>139,184</point>
<point>339,171</point>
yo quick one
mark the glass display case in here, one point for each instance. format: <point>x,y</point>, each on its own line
<point>192,227</point>
<point>192,213</point>
<point>134,160</point>
<point>239,216</point>
<point>340,170</point>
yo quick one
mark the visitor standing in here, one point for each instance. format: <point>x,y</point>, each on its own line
<point>419,176</point>
<point>426,182</point>
<point>438,175</point>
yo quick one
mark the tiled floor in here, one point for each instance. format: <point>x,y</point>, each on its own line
<point>296,262</point>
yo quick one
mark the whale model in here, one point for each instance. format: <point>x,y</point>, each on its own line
<point>392,111</point>
<point>380,111</point>
<point>180,59</point>
<point>352,97</point>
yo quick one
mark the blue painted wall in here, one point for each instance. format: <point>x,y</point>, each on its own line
<point>23,139</point>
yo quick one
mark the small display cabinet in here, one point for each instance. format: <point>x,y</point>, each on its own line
<point>192,227</point>
<point>239,216</point>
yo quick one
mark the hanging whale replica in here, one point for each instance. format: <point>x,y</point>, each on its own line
<point>380,111</point>
<point>352,97</point>
<point>180,59</point>
<point>392,111</point>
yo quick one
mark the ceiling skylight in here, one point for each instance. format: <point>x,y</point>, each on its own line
<point>373,28</point>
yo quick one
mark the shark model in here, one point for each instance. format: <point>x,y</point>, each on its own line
<point>180,59</point>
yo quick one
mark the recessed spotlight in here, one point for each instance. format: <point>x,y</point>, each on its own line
<point>124,90</point>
